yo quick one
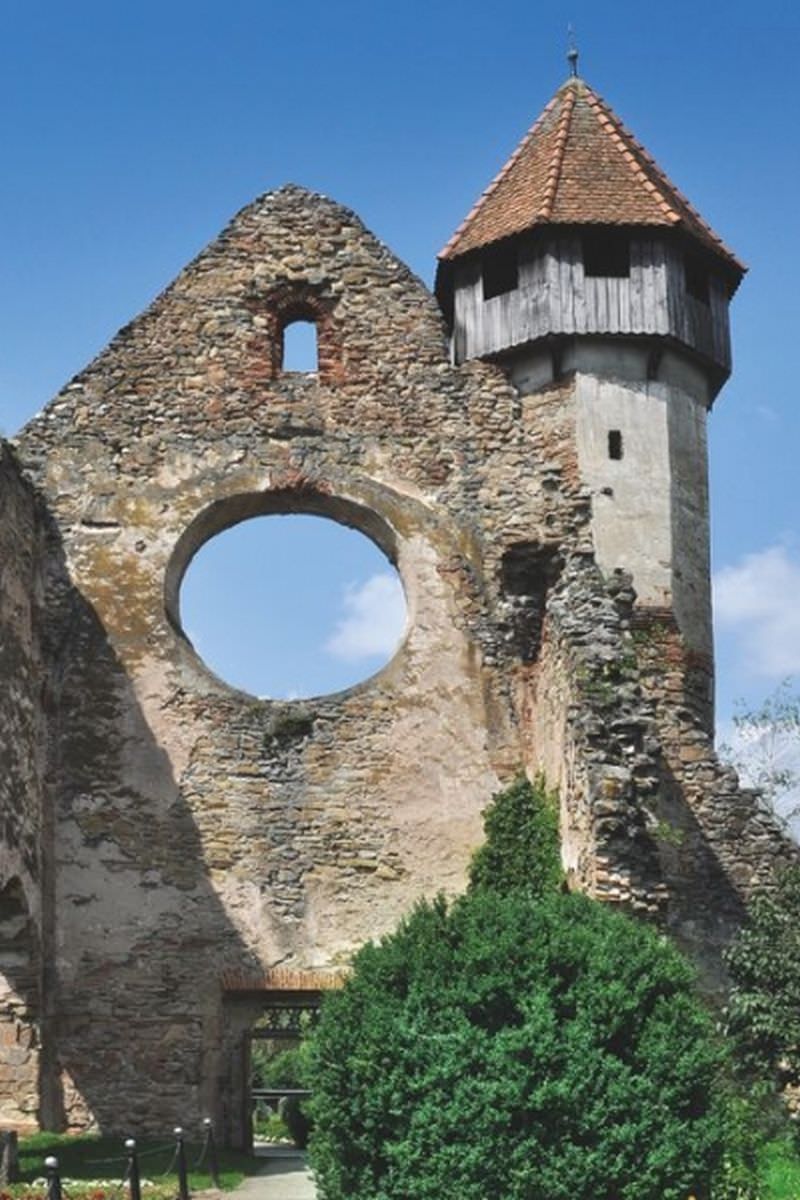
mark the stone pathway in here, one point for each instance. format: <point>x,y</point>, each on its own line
<point>283,1176</point>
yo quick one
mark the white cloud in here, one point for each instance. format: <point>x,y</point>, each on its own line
<point>759,601</point>
<point>373,620</point>
<point>766,755</point>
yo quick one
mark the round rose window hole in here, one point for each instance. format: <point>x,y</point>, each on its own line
<point>289,607</point>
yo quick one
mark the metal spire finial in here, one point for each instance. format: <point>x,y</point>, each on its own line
<point>572,52</point>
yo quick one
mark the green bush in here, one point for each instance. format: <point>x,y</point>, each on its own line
<point>507,1048</point>
<point>764,963</point>
<point>284,1069</point>
<point>522,848</point>
<point>287,1069</point>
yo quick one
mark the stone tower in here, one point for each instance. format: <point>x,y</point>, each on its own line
<point>178,859</point>
<point>582,261</point>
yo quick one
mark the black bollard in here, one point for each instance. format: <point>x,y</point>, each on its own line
<point>180,1154</point>
<point>53,1178</point>
<point>213,1160</point>
<point>9,1157</point>
<point>134,1178</point>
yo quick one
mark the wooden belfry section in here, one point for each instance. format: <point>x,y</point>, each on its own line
<point>182,862</point>
<point>582,233</point>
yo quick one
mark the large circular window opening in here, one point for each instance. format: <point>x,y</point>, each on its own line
<point>288,607</point>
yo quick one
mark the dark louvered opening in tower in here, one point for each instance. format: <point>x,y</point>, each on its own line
<point>607,254</point>
<point>500,269</point>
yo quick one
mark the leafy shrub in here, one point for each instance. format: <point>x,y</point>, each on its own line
<point>513,1048</point>
<point>764,963</point>
<point>284,1069</point>
<point>522,849</point>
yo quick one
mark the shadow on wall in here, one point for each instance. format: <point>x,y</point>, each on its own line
<point>133,1019</point>
<point>19,1010</point>
<point>705,909</point>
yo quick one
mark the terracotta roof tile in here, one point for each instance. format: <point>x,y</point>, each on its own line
<point>579,165</point>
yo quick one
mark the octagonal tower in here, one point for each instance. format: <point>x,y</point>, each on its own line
<point>582,262</point>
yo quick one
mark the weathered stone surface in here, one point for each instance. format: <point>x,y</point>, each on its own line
<point>23,689</point>
<point>202,835</point>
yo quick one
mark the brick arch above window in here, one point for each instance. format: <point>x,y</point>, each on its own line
<point>292,302</point>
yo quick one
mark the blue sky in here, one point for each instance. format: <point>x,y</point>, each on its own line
<point>131,134</point>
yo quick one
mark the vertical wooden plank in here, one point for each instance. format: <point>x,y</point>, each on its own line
<point>578,284</point>
<point>509,318</point>
<point>491,324</point>
<point>467,312</point>
<point>624,299</point>
<point>635,290</point>
<point>602,304</point>
<point>648,290</point>
<point>540,305</point>
<point>590,294</point>
<point>615,304</point>
<point>553,318</point>
<point>527,292</point>
<point>720,322</point>
<point>676,288</point>
<point>566,291</point>
<point>660,289</point>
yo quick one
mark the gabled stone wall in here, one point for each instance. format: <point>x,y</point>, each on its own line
<point>202,831</point>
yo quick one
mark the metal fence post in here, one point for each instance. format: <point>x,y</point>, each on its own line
<point>213,1159</point>
<point>9,1157</point>
<point>183,1178</point>
<point>53,1178</point>
<point>134,1178</point>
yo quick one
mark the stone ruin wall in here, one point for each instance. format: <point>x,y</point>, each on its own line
<point>204,835</point>
<point>22,771</point>
<point>203,832</point>
<point>650,818</point>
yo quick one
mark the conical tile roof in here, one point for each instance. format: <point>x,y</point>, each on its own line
<point>579,165</point>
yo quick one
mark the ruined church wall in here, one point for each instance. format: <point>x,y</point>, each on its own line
<point>206,836</point>
<point>22,765</point>
<point>204,833</point>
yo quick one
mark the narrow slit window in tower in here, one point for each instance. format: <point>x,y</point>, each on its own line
<point>300,346</point>
<point>615,443</point>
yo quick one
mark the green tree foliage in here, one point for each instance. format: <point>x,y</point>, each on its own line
<point>286,1068</point>
<point>515,1048</point>
<point>522,849</point>
<point>764,963</point>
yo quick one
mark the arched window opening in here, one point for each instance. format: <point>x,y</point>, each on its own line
<point>300,352</point>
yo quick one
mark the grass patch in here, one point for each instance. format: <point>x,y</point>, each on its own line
<point>95,1166</point>
<point>779,1170</point>
<point>272,1128</point>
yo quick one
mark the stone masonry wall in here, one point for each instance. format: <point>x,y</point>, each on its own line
<point>651,819</point>
<point>204,835</point>
<point>719,842</point>
<point>22,765</point>
<point>202,831</point>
